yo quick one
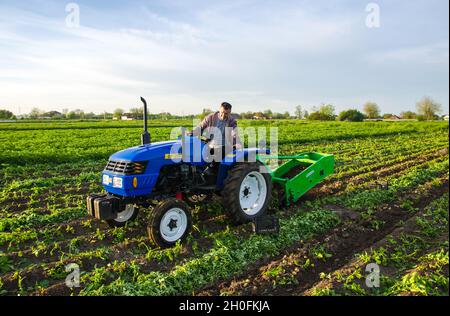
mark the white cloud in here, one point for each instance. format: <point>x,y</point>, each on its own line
<point>435,53</point>
<point>277,54</point>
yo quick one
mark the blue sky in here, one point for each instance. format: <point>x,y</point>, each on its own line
<point>184,55</point>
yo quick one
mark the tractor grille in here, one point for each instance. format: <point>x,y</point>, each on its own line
<point>126,167</point>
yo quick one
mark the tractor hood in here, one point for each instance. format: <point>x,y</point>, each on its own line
<point>145,152</point>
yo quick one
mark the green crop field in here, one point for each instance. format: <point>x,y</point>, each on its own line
<point>386,204</point>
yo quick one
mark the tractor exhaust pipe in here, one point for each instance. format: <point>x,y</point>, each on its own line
<point>145,137</point>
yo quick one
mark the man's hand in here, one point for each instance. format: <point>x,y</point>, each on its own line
<point>238,146</point>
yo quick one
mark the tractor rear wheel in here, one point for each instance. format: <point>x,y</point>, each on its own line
<point>247,191</point>
<point>170,221</point>
<point>128,214</point>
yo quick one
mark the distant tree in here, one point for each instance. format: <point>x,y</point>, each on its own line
<point>286,115</point>
<point>327,110</point>
<point>387,116</point>
<point>298,112</point>
<point>35,113</point>
<point>205,112</point>
<point>247,115</point>
<point>5,114</point>
<point>280,116</point>
<point>276,115</point>
<point>315,116</point>
<point>421,117</point>
<point>71,115</point>
<point>408,115</point>
<point>268,114</point>
<point>90,115</point>
<point>428,108</point>
<point>371,110</point>
<point>118,113</point>
<point>305,114</point>
<point>79,114</point>
<point>137,113</point>
<point>351,116</point>
<point>165,116</point>
<point>324,113</point>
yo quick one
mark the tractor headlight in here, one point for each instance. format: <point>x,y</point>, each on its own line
<point>117,182</point>
<point>107,180</point>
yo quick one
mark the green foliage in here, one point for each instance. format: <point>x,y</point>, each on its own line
<point>371,110</point>
<point>118,113</point>
<point>205,113</point>
<point>428,108</point>
<point>43,223</point>
<point>351,116</point>
<point>5,263</point>
<point>426,278</point>
<point>324,113</point>
<point>5,114</point>
<point>408,115</point>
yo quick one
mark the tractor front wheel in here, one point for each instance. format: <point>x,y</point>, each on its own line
<point>247,191</point>
<point>170,221</point>
<point>128,214</point>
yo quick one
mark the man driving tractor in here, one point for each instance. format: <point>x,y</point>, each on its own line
<point>220,128</point>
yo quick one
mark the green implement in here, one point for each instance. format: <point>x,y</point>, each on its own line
<point>300,173</point>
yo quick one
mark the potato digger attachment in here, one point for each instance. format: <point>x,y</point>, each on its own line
<point>300,173</point>
<point>168,177</point>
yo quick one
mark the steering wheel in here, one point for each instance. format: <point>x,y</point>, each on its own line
<point>201,137</point>
<point>204,139</point>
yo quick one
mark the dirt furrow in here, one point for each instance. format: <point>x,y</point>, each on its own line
<point>34,275</point>
<point>354,235</point>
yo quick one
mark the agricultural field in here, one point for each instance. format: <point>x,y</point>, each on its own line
<point>386,206</point>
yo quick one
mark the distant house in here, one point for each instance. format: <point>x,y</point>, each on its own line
<point>258,116</point>
<point>127,117</point>
<point>393,117</point>
<point>53,114</point>
<point>445,117</point>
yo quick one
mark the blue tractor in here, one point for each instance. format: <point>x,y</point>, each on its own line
<point>173,173</point>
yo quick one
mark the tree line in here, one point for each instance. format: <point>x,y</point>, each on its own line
<point>427,109</point>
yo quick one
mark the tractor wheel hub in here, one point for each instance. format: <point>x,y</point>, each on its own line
<point>253,193</point>
<point>173,224</point>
